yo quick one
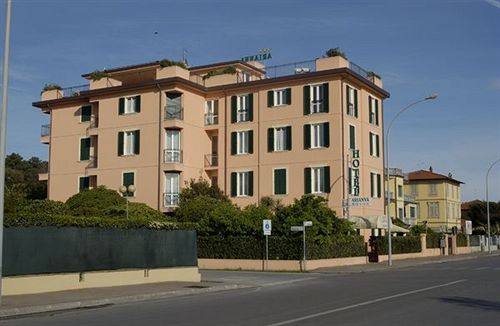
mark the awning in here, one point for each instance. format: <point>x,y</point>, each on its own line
<point>374,222</point>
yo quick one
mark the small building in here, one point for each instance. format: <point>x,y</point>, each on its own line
<point>437,197</point>
<point>402,205</point>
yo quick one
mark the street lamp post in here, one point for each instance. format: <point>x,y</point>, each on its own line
<point>431,97</point>
<point>488,205</point>
<point>126,191</point>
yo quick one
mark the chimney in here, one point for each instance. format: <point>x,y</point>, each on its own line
<point>430,168</point>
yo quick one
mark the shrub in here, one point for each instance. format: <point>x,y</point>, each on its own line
<point>42,208</point>
<point>433,240</point>
<point>231,70</point>
<point>98,74</point>
<point>400,245</point>
<point>334,52</point>
<point>168,63</point>
<point>51,86</point>
<point>94,202</point>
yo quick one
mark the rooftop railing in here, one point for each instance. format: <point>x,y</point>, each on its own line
<point>75,90</point>
<point>295,68</point>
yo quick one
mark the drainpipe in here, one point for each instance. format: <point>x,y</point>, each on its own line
<point>343,145</point>
<point>258,147</point>
<point>160,149</point>
<point>225,142</point>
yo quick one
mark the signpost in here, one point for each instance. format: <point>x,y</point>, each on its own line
<point>303,229</point>
<point>267,227</point>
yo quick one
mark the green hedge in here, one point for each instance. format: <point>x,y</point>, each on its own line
<point>280,248</point>
<point>400,245</point>
<point>433,240</point>
<point>461,240</point>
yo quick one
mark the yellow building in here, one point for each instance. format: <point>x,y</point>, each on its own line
<point>279,131</point>
<point>402,205</point>
<point>437,197</point>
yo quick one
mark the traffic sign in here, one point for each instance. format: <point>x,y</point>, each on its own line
<point>297,228</point>
<point>308,223</point>
<point>267,227</point>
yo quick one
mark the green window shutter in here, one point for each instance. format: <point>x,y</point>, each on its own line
<point>121,105</point>
<point>307,100</point>
<point>233,184</point>
<point>85,113</point>
<point>326,94</point>
<point>372,186</point>
<point>307,136</point>
<point>250,142</point>
<point>84,183</point>
<point>84,149</point>
<point>250,107</point>
<point>280,182</point>
<point>347,99</point>
<point>138,103</point>
<point>270,99</point>
<point>234,142</point>
<point>250,183</point>
<point>307,180</point>
<point>288,96</point>
<point>371,143</point>
<point>356,103</point>
<point>376,112</point>
<point>270,139</point>
<point>233,109</point>
<point>120,143</point>
<point>370,109</point>
<point>137,142</point>
<point>326,179</point>
<point>352,137</point>
<point>377,145</point>
<point>288,134</point>
<point>326,134</point>
<point>379,186</point>
<point>128,179</point>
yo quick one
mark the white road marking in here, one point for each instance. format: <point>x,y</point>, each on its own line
<point>327,312</point>
<point>480,268</point>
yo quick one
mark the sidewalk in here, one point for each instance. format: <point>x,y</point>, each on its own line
<point>402,263</point>
<point>18,305</point>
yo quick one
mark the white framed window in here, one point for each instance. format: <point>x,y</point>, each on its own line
<point>373,110</point>
<point>245,77</point>
<point>280,138</point>
<point>433,209</point>
<point>129,142</point>
<point>317,185</point>
<point>242,184</point>
<point>412,212</point>
<point>242,142</point>
<point>130,104</point>
<point>401,213</point>
<point>242,108</point>
<point>316,98</point>
<point>211,112</point>
<point>317,135</point>
<point>376,185</point>
<point>374,145</point>
<point>173,146</point>
<point>352,102</point>
<point>279,97</point>
<point>414,190</point>
<point>172,189</point>
<point>128,179</point>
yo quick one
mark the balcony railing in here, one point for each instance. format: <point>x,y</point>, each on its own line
<point>172,156</point>
<point>174,112</point>
<point>94,122</point>
<point>75,90</point>
<point>211,160</point>
<point>92,162</point>
<point>295,68</point>
<point>45,130</point>
<point>211,119</point>
<point>170,200</point>
<point>357,69</point>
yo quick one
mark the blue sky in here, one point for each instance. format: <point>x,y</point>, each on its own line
<point>419,47</point>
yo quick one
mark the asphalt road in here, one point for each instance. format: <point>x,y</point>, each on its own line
<point>454,293</point>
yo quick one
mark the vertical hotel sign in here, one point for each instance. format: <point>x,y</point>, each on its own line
<point>355,172</point>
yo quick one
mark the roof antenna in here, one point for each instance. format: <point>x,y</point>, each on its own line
<point>184,56</point>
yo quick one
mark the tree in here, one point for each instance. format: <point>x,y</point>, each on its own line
<point>21,177</point>
<point>477,213</point>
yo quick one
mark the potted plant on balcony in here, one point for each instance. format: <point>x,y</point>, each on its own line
<point>98,75</point>
<point>335,52</point>
<point>51,91</point>
<point>231,70</point>
<point>169,63</point>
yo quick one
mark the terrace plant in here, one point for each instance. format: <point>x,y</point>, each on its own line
<point>51,87</point>
<point>231,70</point>
<point>98,75</point>
<point>335,52</point>
<point>168,63</point>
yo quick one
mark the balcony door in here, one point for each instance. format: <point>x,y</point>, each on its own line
<point>172,146</point>
<point>172,181</point>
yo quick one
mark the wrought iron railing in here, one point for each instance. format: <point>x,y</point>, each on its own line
<point>172,156</point>
<point>45,130</point>
<point>357,69</point>
<point>170,199</point>
<point>211,160</point>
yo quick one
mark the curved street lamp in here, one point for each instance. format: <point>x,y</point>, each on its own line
<point>488,205</point>
<point>388,197</point>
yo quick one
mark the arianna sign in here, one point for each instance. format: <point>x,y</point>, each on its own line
<point>264,54</point>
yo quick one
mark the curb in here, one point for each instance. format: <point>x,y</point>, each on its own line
<point>96,303</point>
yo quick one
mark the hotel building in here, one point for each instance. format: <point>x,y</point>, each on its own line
<point>281,131</point>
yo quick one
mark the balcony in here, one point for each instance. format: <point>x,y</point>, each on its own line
<point>211,161</point>
<point>45,134</point>
<point>172,156</point>
<point>211,119</point>
<point>174,112</point>
<point>92,162</point>
<point>170,200</point>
